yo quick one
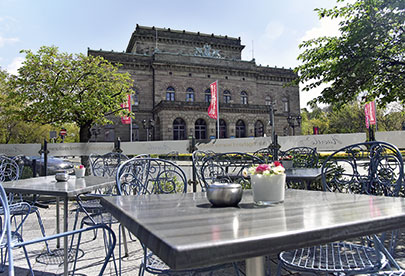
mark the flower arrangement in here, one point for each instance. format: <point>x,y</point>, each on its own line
<point>275,168</point>
<point>79,166</point>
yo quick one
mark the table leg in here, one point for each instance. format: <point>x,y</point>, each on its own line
<point>255,266</point>
<point>57,222</point>
<point>65,238</point>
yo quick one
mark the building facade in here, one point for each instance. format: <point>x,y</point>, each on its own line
<point>172,72</point>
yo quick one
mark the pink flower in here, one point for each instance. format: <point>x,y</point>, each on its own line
<point>81,167</point>
<point>261,168</point>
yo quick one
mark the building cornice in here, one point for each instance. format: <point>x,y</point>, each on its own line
<point>182,37</point>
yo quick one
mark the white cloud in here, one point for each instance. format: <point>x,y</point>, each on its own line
<point>12,68</point>
<point>327,27</point>
<point>4,41</point>
<point>273,31</point>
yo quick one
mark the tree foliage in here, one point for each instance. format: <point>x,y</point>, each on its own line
<point>366,60</point>
<point>60,88</point>
<point>350,118</point>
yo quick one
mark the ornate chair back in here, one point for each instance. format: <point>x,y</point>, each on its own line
<point>5,233</point>
<point>9,169</point>
<point>302,157</point>
<point>150,176</point>
<point>266,154</point>
<point>228,167</point>
<point>198,158</point>
<point>106,164</point>
<point>370,168</point>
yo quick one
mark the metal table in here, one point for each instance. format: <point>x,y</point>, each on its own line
<point>47,185</point>
<point>186,232</point>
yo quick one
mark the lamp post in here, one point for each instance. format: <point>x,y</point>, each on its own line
<point>148,125</point>
<point>274,145</point>
<point>291,122</point>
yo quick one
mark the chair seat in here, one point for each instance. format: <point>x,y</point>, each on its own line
<point>103,218</point>
<point>92,206</point>
<point>15,238</point>
<point>339,257</point>
<point>19,209</point>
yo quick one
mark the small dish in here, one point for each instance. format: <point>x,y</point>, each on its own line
<point>224,194</point>
<point>62,177</point>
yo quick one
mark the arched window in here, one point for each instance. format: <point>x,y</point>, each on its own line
<point>200,129</point>
<point>179,129</point>
<point>286,104</point>
<point>170,94</point>
<point>243,97</point>
<point>222,128</point>
<point>240,129</point>
<point>207,95</point>
<point>227,96</point>
<point>190,95</point>
<point>268,100</point>
<point>135,97</point>
<point>259,129</point>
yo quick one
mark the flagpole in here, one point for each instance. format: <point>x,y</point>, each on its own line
<point>217,110</point>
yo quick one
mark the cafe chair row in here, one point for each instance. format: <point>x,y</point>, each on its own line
<point>373,168</point>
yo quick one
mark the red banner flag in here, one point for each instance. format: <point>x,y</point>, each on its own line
<point>126,105</point>
<point>370,113</point>
<point>213,108</point>
<point>366,111</point>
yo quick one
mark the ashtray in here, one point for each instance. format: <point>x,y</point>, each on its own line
<point>224,194</point>
<point>62,177</point>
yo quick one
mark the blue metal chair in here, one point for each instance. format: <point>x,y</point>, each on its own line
<point>154,176</point>
<point>228,167</point>
<point>198,158</point>
<point>106,165</point>
<point>10,240</point>
<point>374,168</point>
<point>302,157</point>
<point>10,171</point>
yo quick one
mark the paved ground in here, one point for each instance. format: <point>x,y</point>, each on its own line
<point>90,262</point>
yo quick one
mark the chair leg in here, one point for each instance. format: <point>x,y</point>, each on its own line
<point>124,239</point>
<point>41,226</point>
<point>106,248</point>
<point>77,252</point>
<point>28,260</point>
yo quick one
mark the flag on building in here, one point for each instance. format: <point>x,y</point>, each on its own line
<point>126,105</point>
<point>213,108</point>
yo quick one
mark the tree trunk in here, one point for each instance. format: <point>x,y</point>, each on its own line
<point>84,137</point>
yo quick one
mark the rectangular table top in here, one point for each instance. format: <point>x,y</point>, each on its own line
<point>304,174</point>
<point>185,231</point>
<point>47,185</point>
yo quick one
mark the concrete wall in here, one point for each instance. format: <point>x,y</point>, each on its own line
<point>328,142</point>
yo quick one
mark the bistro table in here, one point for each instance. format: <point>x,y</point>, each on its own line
<point>185,231</point>
<point>47,185</point>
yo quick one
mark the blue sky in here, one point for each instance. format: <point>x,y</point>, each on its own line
<point>274,28</point>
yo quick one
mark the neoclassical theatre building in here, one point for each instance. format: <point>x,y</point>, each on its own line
<point>172,71</point>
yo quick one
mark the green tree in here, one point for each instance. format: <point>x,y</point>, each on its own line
<point>366,60</point>
<point>61,88</point>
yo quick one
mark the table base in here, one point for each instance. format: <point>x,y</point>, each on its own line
<point>56,256</point>
<point>255,266</point>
